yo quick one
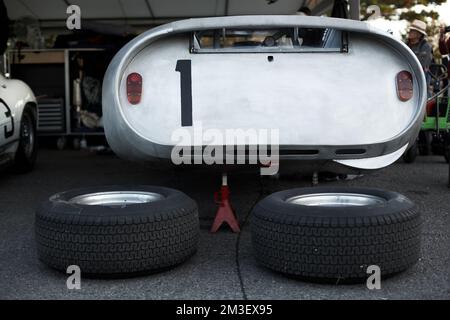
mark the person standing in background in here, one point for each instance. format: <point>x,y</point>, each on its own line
<point>444,48</point>
<point>418,43</point>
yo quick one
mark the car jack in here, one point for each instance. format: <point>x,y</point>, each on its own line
<point>225,212</point>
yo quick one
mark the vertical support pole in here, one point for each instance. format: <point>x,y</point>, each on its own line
<point>224,179</point>
<point>67,89</point>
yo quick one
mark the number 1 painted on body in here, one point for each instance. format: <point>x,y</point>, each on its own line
<point>185,70</point>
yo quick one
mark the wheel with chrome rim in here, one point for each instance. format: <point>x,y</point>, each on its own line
<point>411,153</point>
<point>333,234</point>
<point>27,151</point>
<point>117,231</point>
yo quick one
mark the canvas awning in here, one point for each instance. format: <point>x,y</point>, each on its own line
<point>53,10</point>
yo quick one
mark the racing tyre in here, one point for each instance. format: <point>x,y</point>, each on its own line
<point>410,155</point>
<point>447,147</point>
<point>116,231</point>
<point>26,153</point>
<point>332,234</point>
<point>425,139</point>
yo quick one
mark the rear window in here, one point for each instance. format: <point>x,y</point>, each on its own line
<point>271,40</point>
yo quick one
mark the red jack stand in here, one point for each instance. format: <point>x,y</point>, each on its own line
<point>225,212</point>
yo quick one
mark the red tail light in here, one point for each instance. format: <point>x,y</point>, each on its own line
<point>134,88</point>
<point>404,85</point>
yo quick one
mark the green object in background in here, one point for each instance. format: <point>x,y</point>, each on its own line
<point>434,136</point>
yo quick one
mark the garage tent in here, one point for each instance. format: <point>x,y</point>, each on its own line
<point>55,10</point>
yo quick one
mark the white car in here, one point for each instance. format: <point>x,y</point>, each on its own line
<point>18,118</point>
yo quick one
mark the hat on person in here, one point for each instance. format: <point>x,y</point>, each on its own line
<point>419,26</point>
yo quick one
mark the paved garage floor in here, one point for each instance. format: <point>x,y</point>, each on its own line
<point>212,273</point>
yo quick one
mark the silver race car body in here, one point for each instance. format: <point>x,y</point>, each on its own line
<point>337,90</point>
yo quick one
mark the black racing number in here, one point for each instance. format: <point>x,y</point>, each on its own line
<point>185,70</point>
<point>8,114</point>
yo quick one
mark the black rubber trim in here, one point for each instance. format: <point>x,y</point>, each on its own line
<point>117,241</point>
<point>336,244</point>
<point>316,152</point>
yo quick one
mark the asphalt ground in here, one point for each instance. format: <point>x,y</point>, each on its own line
<point>223,268</point>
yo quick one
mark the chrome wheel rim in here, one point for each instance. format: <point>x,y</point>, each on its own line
<point>116,198</point>
<point>27,136</point>
<point>336,200</point>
